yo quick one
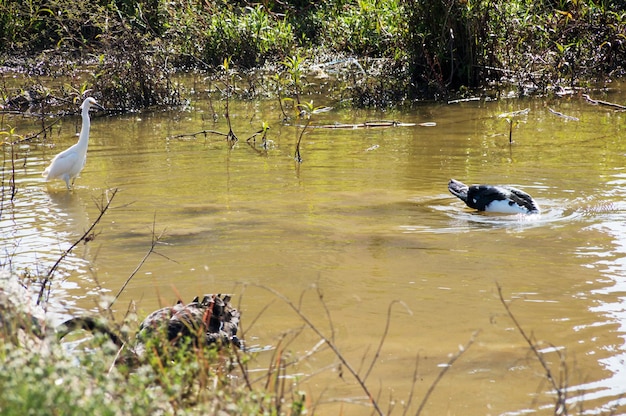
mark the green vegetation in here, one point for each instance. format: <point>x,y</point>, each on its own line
<point>405,49</point>
<point>47,379</point>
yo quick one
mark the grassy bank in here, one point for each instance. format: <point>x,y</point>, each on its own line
<point>406,49</point>
<point>47,378</point>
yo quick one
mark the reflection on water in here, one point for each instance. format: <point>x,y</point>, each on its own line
<point>368,219</point>
<point>611,304</point>
<point>36,230</point>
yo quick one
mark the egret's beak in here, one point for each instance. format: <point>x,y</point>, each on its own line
<point>97,106</point>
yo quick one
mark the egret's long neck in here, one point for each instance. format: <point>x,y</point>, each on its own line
<point>83,140</point>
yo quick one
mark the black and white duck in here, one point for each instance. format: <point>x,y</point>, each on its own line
<point>491,198</point>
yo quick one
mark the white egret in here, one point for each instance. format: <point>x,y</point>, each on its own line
<point>68,164</point>
<point>502,199</point>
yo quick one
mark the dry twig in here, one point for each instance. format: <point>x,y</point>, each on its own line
<point>444,370</point>
<point>382,339</point>
<point>155,241</point>
<point>331,345</point>
<point>102,207</point>
<point>560,407</point>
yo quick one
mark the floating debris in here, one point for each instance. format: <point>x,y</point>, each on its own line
<point>464,100</point>
<point>565,116</point>
<point>604,103</point>
<point>513,114</point>
<point>365,125</point>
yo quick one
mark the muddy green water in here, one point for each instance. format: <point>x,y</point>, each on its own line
<point>368,220</point>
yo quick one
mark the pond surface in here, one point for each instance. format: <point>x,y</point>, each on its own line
<point>366,218</point>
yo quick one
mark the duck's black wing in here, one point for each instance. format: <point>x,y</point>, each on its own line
<point>480,197</point>
<point>522,199</point>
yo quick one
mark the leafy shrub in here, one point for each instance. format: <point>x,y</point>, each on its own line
<point>448,45</point>
<point>129,77</point>
<point>249,38</point>
<point>365,27</point>
<point>50,382</point>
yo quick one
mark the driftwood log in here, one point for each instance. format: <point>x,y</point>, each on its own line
<point>212,320</point>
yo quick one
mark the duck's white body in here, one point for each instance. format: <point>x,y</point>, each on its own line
<point>68,164</point>
<point>490,198</point>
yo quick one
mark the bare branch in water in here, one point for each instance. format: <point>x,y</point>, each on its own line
<point>256,318</point>
<point>102,207</point>
<point>331,344</point>
<point>204,132</point>
<point>561,390</point>
<point>382,339</point>
<point>320,296</point>
<point>43,130</point>
<point>413,383</point>
<point>11,181</point>
<point>444,370</point>
<point>297,156</point>
<point>155,241</point>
